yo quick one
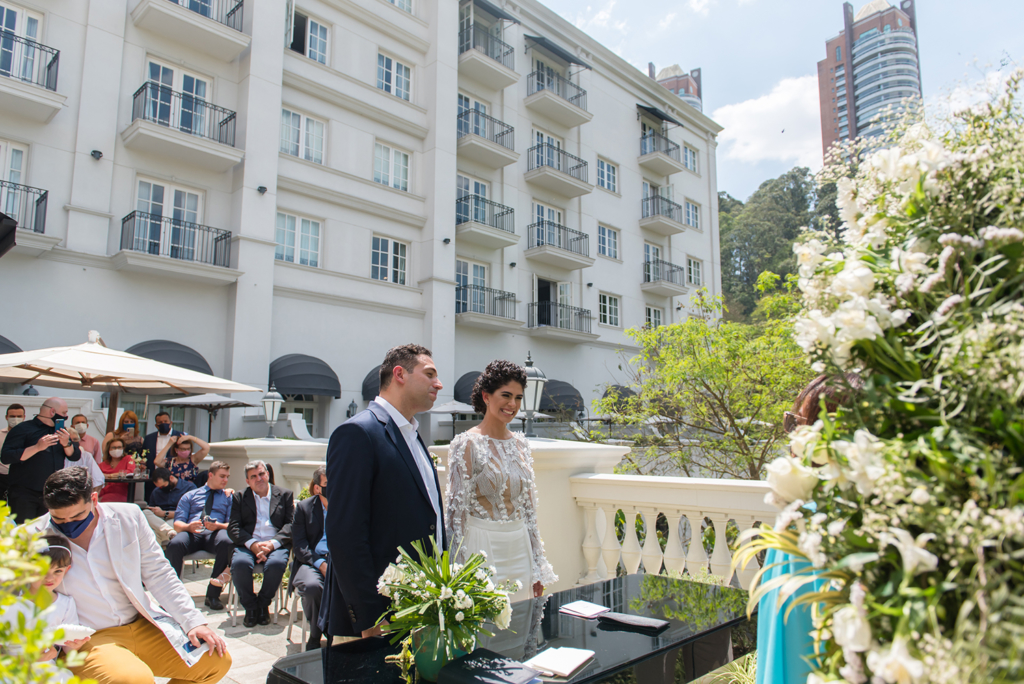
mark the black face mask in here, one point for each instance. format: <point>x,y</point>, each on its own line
<point>323,491</point>
<point>168,488</point>
<point>163,428</point>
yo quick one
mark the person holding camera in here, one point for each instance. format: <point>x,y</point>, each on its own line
<point>201,522</point>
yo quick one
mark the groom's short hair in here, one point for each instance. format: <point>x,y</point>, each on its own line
<point>406,356</point>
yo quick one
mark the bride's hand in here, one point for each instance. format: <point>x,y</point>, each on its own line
<point>538,590</point>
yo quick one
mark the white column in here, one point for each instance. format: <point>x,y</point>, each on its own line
<point>675,556</point>
<point>591,545</point>
<point>631,552</point>
<point>721,557</point>
<point>610,549</point>
<point>652,548</point>
<point>696,558</point>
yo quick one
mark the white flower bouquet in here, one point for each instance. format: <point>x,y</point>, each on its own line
<point>453,600</point>
<point>915,541</point>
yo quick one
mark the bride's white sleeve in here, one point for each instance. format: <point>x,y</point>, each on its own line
<point>457,506</point>
<point>542,570</point>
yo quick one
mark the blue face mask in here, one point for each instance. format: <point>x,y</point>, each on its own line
<point>129,426</point>
<point>75,528</point>
<point>163,428</point>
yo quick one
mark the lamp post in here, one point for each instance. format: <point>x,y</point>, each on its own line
<point>353,409</point>
<point>535,380</point>
<point>271,408</point>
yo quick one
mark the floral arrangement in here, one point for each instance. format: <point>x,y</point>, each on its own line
<point>454,598</point>
<point>915,541</point>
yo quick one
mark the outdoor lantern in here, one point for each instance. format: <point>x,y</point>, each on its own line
<point>352,408</point>
<point>535,380</point>
<point>271,408</point>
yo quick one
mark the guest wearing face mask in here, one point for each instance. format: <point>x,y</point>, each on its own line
<point>88,443</point>
<point>15,415</point>
<point>127,431</point>
<point>88,459</point>
<point>34,450</point>
<point>178,457</point>
<point>167,492</point>
<point>157,442</point>
<point>115,461</point>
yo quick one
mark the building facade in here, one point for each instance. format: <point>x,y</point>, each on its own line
<point>870,66</point>
<point>687,86</point>
<point>282,190</point>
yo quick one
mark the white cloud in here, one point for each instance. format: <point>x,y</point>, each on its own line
<point>700,6</point>
<point>667,21</point>
<point>784,125</point>
<point>600,21</point>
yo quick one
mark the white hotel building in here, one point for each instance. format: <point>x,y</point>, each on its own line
<point>274,189</point>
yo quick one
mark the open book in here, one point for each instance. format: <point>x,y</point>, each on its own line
<point>583,609</point>
<point>560,662</point>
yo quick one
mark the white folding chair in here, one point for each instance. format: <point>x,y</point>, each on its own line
<point>198,556</point>
<point>279,597</point>
<point>291,618</point>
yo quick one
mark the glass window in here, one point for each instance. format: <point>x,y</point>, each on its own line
<point>469,278</point>
<point>302,136</point>
<point>693,272</point>
<point>839,53</point>
<point>303,404</point>
<point>606,175</point>
<point>308,244</point>
<point>653,316</point>
<point>391,167</point>
<point>405,5</point>
<point>692,214</point>
<point>608,309</point>
<point>388,260</point>
<point>608,242</point>
<point>690,158</point>
<point>316,46</point>
<point>394,77</point>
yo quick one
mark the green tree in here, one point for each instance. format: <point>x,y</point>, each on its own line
<point>714,390</point>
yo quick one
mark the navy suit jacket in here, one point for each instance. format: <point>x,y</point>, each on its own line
<point>377,502</point>
<point>307,531</point>
<point>149,445</point>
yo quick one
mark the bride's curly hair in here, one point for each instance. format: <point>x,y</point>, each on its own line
<point>497,374</point>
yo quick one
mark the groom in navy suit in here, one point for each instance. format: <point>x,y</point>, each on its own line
<point>383,492</point>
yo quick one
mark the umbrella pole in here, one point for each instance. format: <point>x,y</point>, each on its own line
<point>209,424</point>
<point>112,411</point>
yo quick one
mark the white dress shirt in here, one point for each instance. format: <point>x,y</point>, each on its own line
<point>409,432</point>
<point>161,442</point>
<point>263,531</point>
<point>93,583</point>
<point>89,461</point>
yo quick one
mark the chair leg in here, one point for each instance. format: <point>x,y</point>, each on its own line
<point>291,616</point>
<point>277,602</point>
<point>231,604</point>
<point>305,624</point>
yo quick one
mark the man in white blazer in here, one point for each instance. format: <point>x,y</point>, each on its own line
<point>115,560</point>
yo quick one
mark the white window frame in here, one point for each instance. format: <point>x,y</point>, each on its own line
<point>396,268</point>
<point>607,175</point>
<point>607,241</point>
<point>11,198</point>
<point>308,126</point>
<point>404,5</point>
<point>609,309</point>
<point>176,240</point>
<point>475,273</point>
<point>388,77</point>
<point>692,214</point>
<point>301,232</point>
<point>323,57</point>
<point>694,272</point>
<point>388,164</point>
<point>651,313</point>
<point>691,159</point>
<point>304,406</point>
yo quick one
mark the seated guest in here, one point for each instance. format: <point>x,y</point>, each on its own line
<point>87,442</point>
<point>201,523</point>
<point>261,528</point>
<point>15,415</point>
<point>125,590</point>
<point>163,502</point>
<point>178,457</point>
<point>115,461</point>
<point>309,545</point>
<point>88,460</point>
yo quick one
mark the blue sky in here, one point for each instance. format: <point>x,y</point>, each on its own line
<point>759,61</point>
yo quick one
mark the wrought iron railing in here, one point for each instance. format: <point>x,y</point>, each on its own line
<point>477,209</point>
<point>557,158</point>
<point>567,90</point>
<point>479,38</point>
<point>656,142</point>
<point>656,205</point>
<point>551,233</point>
<point>227,12</point>
<point>29,61</point>
<point>184,112</point>
<point>477,123</point>
<point>175,238</point>
<point>657,270</point>
<point>25,205</point>
<point>485,300</point>
<point>559,316</point>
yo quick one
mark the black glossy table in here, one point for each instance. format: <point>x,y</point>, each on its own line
<point>708,628</point>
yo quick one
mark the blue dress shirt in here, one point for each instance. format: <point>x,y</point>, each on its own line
<point>168,501</point>
<point>190,507</point>
<point>321,546</point>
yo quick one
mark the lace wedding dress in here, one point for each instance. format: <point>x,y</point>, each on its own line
<point>492,507</point>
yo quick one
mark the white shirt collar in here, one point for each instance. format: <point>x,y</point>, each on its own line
<point>399,419</point>
<point>264,498</point>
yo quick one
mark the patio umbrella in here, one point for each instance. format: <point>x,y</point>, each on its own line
<point>211,403</point>
<point>93,366</point>
<point>453,407</point>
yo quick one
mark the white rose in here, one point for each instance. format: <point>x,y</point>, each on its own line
<point>920,496</point>
<point>851,629</point>
<point>865,462</point>
<point>791,480</point>
<point>804,437</point>
<point>855,280</point>
<point>446,593</point>
<point>504,618</point>
<point>895,665</point>
<point>459,617</point>
<point>912,550</point>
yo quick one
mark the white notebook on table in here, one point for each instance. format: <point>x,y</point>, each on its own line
<point>583,609</point>
<point>561,662</point>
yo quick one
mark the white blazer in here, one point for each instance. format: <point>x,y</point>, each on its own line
<point>141,565</point>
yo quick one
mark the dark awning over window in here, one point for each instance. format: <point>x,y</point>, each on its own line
<point>658,114</point>
<point>173,353</point>
<point>560,396</point>
<point>8,347</point>
<point>371,385</point>
<point>619,392</point>
<point>464,387</point>
<point>559,52</point>
<point>494,11</point>
<point>302,374</point>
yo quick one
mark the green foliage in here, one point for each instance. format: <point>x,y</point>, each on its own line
<point>304,494</point>
<point>715,390</point>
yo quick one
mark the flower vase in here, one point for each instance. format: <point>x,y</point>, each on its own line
<point>428,647</point>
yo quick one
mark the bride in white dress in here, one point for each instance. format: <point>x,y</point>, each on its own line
<point>491,502</point>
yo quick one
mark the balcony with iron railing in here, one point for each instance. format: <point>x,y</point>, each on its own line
<point>660,155</point>
<point>482,222</point>
<point>213,27</point>
<point>183,126</point>
<point>558,245</point>
<point>486,140</point>
<point>664,278</point>
<point>560,321</point>
<point>485,58</point>
<point>557,98</point>
<point>558,171</point>
<point>661,215</point>
<point>173,238</point>
<point>484,307</point>
<point>24,204</point>
<point>28,78</point>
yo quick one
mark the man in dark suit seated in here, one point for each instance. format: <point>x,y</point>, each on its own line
<point>384,492</point>
<point>261,528</point>
<point>309,547</point>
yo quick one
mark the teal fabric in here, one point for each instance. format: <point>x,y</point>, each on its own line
<point>783,644</point>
